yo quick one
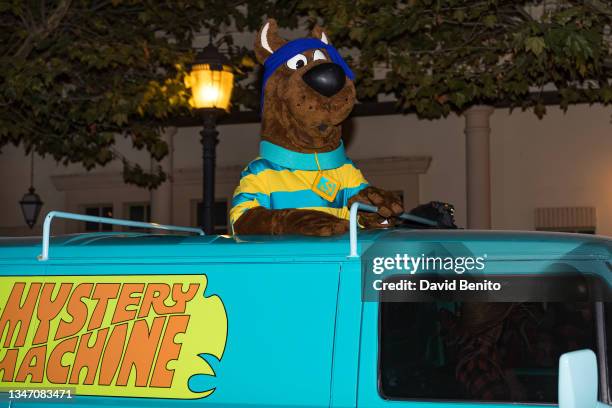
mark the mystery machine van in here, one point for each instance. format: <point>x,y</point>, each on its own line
<point>388,318</point>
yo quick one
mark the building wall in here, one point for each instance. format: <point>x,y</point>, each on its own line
<point>562,160</point>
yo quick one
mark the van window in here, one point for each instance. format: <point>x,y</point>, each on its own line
<point>479,351</point>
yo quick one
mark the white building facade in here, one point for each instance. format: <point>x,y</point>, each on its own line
<point>501,170</point>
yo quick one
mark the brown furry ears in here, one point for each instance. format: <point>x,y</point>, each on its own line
<point>318,32</point>
<point>268,40</point>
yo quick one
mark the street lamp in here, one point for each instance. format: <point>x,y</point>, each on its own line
<point>30,202</point>
<point>211,79</point>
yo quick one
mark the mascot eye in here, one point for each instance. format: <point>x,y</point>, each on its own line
<point>318,55</point>
<point>297,62</point>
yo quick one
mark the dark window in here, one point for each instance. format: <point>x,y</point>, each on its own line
<point>220,214</point>
<point>479,351</point>
<point>139,212</point>
<point>98,211</point>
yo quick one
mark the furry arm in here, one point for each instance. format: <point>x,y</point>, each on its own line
<point>260,220</point>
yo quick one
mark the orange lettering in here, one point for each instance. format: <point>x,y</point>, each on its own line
<point>88,357</point>
<point>8,363</point>
<point>103,292</point>
<point>140,351</point>
<point>57,373</point>
<point>155,294</point>
<point>112,354</point>
<point>48,309</point>
<point>168,351</point>
<point>181,297</point>
<point>14,312</point>
<point>77,309</point>
<point>33,364</point>
<point>122,313</point>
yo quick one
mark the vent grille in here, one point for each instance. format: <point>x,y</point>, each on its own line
<point>565,218</point>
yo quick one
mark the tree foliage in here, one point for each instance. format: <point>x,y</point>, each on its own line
<point>443,56</point>
<point>78,74</point>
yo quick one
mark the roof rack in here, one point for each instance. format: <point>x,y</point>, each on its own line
<point>353,227</point>
<point>44,256</point>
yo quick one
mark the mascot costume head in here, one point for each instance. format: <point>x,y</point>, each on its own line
<point>302,182</point>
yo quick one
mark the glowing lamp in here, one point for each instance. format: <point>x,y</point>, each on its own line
<point>211,79</point>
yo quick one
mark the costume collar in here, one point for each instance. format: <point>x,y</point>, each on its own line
<point>302,161</point>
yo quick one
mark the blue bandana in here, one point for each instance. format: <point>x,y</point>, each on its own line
<point>295,47</point>
<point>302,161</point>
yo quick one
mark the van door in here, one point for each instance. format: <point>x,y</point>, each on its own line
<point>168,334</point>
<point>496,354</point>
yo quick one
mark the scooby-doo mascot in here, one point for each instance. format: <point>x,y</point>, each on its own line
<point>302,182</point>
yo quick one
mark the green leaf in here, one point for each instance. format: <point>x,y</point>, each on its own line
<point>489,21</point>
<point>120,118</point>
<point>535,45</point>
<point>540,110</point>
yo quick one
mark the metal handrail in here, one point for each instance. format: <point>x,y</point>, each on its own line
<point>44,256</point>
<point>353,227</point>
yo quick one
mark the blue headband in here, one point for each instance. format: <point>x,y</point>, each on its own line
<point>295,47</point>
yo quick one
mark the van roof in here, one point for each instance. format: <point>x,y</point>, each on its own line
<point>116,247</point>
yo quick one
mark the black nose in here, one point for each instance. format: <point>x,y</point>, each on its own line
<point>327,79</point>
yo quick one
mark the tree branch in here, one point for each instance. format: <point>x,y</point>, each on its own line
<point>43,32</point>
<point>599,6</point>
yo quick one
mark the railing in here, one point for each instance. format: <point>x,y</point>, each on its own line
<point>44,256</point>
<point>370,208</point>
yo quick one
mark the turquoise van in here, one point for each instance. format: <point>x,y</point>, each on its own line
<point>133,319</point>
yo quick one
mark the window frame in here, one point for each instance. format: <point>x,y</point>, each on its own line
<point>603,367</point>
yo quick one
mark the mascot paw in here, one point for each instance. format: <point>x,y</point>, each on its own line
<point>373,221</point>
<point>388,203</point>
<point>315,223</point>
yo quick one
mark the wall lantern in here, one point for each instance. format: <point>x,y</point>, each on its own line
<point>31,203</point>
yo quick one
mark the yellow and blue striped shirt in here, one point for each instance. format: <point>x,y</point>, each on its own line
<point>281,178</point>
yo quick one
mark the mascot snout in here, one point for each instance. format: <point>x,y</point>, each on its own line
<point>327,78</point>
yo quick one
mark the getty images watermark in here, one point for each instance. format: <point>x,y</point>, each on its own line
<point>403,270</point>
<point>411,264</point>
<point>417,276</point>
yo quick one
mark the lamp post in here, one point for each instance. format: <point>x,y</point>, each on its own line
<point>211,80</point>
<point>31,203</point>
